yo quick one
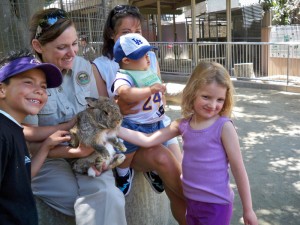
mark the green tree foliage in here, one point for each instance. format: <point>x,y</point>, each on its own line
<point>283,10</point>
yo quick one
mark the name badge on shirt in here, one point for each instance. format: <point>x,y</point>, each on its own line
<point>83,78</point>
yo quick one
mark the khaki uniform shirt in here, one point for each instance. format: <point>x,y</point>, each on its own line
<point>66,101</point>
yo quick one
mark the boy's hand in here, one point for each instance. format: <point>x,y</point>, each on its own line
<point>157,88</point>
<point>57,138</point>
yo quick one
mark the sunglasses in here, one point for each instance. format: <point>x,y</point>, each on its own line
<point>49,20</point>
<point>125,9</point>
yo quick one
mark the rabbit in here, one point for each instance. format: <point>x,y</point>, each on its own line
<point>97,127</point>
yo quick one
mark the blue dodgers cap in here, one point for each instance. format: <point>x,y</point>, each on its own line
<point>22,64</point>
<point>132,46</point>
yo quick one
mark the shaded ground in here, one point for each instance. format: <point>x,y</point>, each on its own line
<point>268,123</point>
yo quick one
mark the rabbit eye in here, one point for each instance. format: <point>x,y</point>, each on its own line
<point>105,112</point>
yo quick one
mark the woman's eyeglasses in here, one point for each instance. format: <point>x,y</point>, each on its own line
<point>120,9</point>
<point>49,20</point>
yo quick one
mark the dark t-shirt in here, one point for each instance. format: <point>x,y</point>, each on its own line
<point>17,204</point>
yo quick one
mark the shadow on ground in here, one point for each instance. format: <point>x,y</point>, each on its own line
<point>268,124</point>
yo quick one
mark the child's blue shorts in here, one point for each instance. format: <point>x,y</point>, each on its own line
<point>145,128</point>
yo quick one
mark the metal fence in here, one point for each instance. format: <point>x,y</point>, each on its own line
<point>89,17</point>
<point>276,62</point>
<point>266,62</point>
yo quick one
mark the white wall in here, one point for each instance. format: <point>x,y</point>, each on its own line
<point>220,5</point>
<point>248,2</point>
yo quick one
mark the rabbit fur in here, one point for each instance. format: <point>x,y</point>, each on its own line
<point>97,127</point>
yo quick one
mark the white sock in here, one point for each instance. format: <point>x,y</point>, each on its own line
<point>122,172</point>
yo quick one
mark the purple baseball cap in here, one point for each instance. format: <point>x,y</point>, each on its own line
<point>131,45</point>
<point>22,64</point>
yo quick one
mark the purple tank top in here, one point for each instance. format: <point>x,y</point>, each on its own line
<point>205,166</point>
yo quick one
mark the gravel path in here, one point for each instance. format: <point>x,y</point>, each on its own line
<point>268,123</point>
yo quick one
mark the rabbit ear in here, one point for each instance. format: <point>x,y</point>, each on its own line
<point>91,101</point>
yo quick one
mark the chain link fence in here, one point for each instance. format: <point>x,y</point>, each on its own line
<point>88,15</point>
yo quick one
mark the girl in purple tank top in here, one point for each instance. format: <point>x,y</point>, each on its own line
<point>210,146</point>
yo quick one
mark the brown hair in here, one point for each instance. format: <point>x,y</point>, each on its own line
<point>205,73</point>
<point>52,32</point>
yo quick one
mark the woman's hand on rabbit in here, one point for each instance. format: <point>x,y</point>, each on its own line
<point>68,125</point>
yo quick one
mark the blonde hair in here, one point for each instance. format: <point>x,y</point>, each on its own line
<point>206,73</point>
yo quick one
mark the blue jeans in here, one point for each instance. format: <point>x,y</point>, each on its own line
<point>144,128</point>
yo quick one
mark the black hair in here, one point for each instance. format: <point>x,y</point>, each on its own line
<point>112,21</point>
<point>11,56</point>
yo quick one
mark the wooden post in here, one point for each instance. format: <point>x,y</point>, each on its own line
<point>144,206</point>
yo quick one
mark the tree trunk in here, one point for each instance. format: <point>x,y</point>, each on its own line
<point>14,19</point>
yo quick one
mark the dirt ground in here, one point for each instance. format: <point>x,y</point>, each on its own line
<point>268,124</point>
